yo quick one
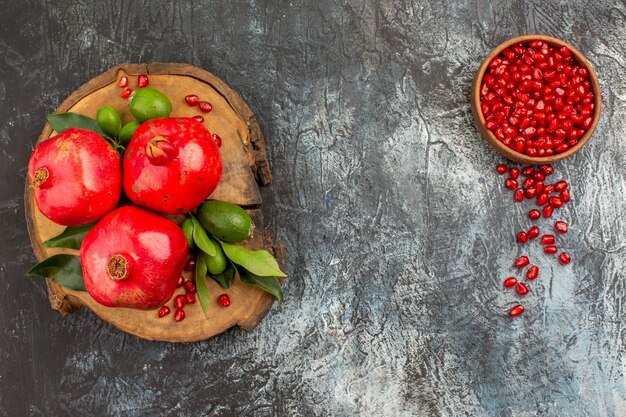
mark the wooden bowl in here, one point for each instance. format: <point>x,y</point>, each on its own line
<point>491,138</point>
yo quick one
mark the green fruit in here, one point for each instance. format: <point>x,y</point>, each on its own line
<point>216,264</point>
<point>127,132</point>
<point>225,221</point>
<point>109,121</point>
<point>187,227</point>
<point>148,103</point>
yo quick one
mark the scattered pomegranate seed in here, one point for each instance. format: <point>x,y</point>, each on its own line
<point>534,214</point>
<point>514,173</point>
<point>522,237</point>
<point>560,226</point>
<point>550,250</point>
<point>217,139</point>
<point>126,93</point>
<point>546,169</point>
<point>180,301</point>
<point>192,100</point>
<point>511,184</point>
<point>518,195</point>
<point>565,196</point>
<point>516,311</point>
<point>224,300</point>
<point>547,211</point>
<point>521,262</point>
<point>529,182</point>
<point>542,199</point>
<point>530,192</point>
<point>533,232</point>
<point>198,119</point>
<point>502,169</point>
<point>163,311</point>
<point>521,288</point>
<point>560,185</point>
<point>528,171</point>
<point>142,81</point>
<point>190,298</point>
<point>179,315</point>
<point>205,106</point>
<point>123,81</point>
<point>181,281</point>
<point>190,287</point>
<point>547,240</point>
<point>510,282</point>
<point>532,272</point>
<point>556,202</point>
<point>564,258</point>
<point>190,265</point>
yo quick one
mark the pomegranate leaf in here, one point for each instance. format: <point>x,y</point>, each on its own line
<point>202,291</point>
<point>63,269</point>
<point>268,284</point>
<point>226,277</point>
<point>64,121</point>
<point>258,262</point>
<point>201,239</point>
<point>71,238</point>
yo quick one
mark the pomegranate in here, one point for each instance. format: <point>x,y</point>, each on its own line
<point>171,165</point>
<point>76,177</point>
<point>133,258</point>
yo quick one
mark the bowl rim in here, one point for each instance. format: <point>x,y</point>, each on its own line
<point>491,138</point>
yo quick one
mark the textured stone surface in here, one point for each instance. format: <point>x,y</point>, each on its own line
<point>398,230</point>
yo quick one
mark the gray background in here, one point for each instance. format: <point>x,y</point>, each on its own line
<point>397,228</point>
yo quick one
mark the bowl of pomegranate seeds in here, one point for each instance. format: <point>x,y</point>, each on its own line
<point>536,99</point>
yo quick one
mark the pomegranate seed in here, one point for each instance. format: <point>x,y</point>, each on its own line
<point>529,182</point>
<point>521,262</point>
<point>546,169</point>
<point>223,300</point>
<point>534,214</point>
<point>560,185</point>
<point>163,311</point>
<point>190,298</point>
<point>179,315</point>
<point>123,81</point>
<point>180,301</point>
<point>533,232</point>
<point>190,265</point>
<point>521,288</point>
<point>514,172</point>
<point>550,250</point>
<point>528,171</point>
<point>522,237</point>
<point>542,199</point>
<point>547,240</point>
<point>511,184</point>
<point>516,311</point>
<point>181,281</point>
<point>548,189</point>
<point>198,119</point>
<point>510,282</point>
<point>565,196</point>
<point>556,202</point>
<point>502,169</point>
<point>560,226</point>
<point>519,195</point>
<point>190,287</point>
<point>532,272</point>
<point>530,192</point>
<point>126,93</point>
<point>205,106</point>
<point>192,99</point>
<point>564,258</point>
<point>142,81</point>
<point>547,211</point>
<point>217,139</point>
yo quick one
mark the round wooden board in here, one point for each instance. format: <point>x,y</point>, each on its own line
<point>245,167</point>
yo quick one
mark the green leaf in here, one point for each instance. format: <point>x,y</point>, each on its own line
<point>201,239</point>
<point>202,290</point>
<point>259,262</point>
<point>268,284</point>
<point>226,277</point>
<point>62,269</point>
<point>63,121</point>
<point>71,238</point>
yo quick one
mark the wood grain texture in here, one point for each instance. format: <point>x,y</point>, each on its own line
<point>397,229</point>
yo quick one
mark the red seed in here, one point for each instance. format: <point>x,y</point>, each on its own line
<point>190,265</point>
<point>564,258</point>
<point>502,169</point>
<point>530,192</point>
<point>126,93</point>
<point>528,171</point>
<point>142,81</point>
<point>511,184</point>
<point>547,211</point>
<point>521,262</point>
<point>542,199</point>
<point>560,185</point>
<point>534,214</point>
<point>516,311</point>
<point>510,282</point>
<point>565,196</point>
<point>198,119</point>
<point>529,182</point>
<point>550,250</point>
<point>192,99</point>
<point>123,81</point>
<point>556,202</point>
<point>180,300</point>
<point>532,272</point>
<point>217,139</point>
<point>546,169</point>
<point>181,281</point>
<point>179,315</point>
<point>522,237</point>
<point>519,195</point>
<point>223,300</point>
<point>163,311</point>
<point>560,226</point>
<point>190,287</point>
<point>521,288</point>
<point>190,298</point>
<point>514,172</point>
<point>547,240</point>
<point>205,106</point>
<point>533,232</point>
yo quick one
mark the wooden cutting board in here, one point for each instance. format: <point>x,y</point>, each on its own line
<point>245,168</point>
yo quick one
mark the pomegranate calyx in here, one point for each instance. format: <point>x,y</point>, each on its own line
<point>160,151</point>
<point>40,178</point>
<point>117,268</point>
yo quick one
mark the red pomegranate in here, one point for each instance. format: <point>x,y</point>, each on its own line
<point>133,258</point>
<point>76,177</point>
<point>171,165</point>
